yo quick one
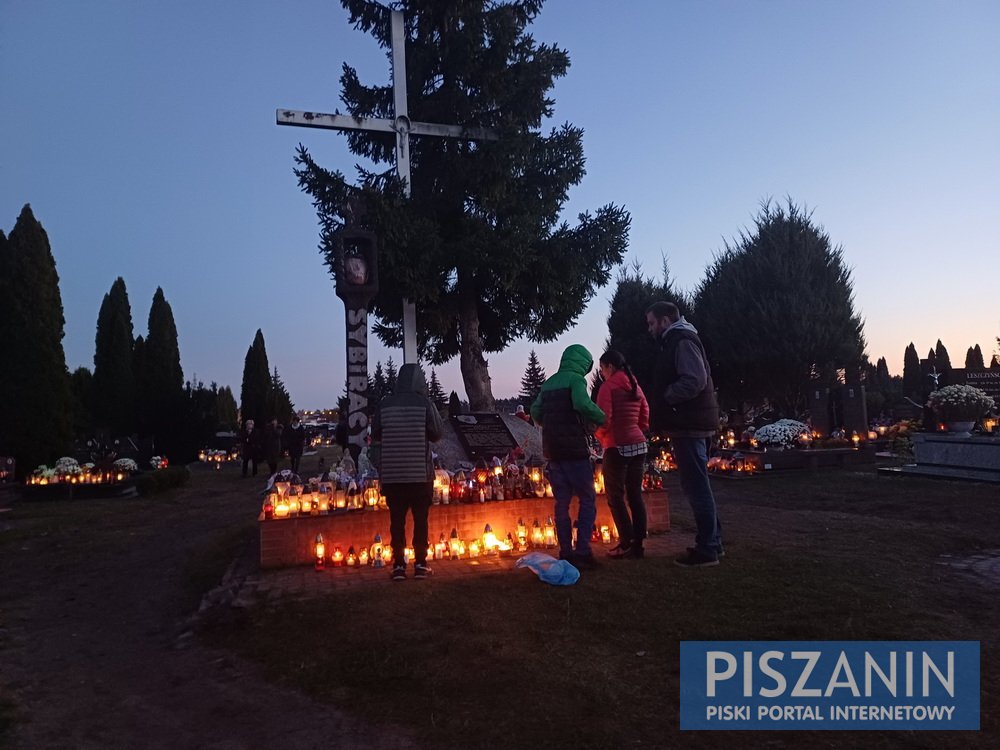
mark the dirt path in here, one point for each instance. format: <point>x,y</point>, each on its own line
<point>95,647</point>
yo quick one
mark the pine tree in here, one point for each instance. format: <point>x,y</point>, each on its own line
<point>143,411</point>
<point>634,293</point>
<point>280,405</point>
<point>114,385</point>
<point>882,377</point>
<point>163,378</point>
<point>912,376</point>
<point>531,381</point>
<point>82,388</point>
<point>776,312</point>
<point>390,377</point>
<point>256,383</point>
<point>378,389</point>
<point>974,358</point>
<point>941,357</point>
<point>36,418</point>
<point>225,410</point>
<point>436,393</point>
<point>454,405</point>
<point>480,247</point>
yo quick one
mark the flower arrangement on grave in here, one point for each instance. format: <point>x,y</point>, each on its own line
<point>158,462</point>
<point>785,433</point>
<point>959,403</point>
<point>125,466</point>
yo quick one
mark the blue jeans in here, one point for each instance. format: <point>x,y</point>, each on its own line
<point>571,478</point>
<point>691,456</point>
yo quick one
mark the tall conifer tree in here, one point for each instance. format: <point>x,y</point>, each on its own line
<point>36,418</point>
<point>776,312</point>
<point>114,388</point>
<point>225,409</point>
<point>436,393</point>
<point>531,381</point>
<point>481,247</point>
<point>634,293</point>
<point>256,383</point>
<point>941,357</point>
<point>280,404</point>
<point>974,358</point>
<point>912,376</point>
<point>162,376</point>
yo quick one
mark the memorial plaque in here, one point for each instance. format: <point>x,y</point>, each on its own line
<point>483,435</point>
<point>985,380</point>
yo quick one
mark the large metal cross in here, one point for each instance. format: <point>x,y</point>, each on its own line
<point>403,128</point>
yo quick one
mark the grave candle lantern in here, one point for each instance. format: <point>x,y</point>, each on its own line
<point>606,534</point>
<point>320,549</point>
<point>376,552</point>
<point>363,557</point>
<point>455,543</point>
<point>537,535</point>
<point>490,541</point>
<point>352,557</point>
<point>550,533</point>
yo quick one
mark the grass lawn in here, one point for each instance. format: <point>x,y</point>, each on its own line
<point>504,660</point>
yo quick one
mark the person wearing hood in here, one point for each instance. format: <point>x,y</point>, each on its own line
<point>627,417</point>
<point>683,407</point>
<point>566,415</point>
<point>406,423</point>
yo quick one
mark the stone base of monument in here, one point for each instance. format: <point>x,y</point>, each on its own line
<point>950,457</point>
<point>290,541</point>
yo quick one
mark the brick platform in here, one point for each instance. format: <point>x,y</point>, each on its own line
<point>289,541</point>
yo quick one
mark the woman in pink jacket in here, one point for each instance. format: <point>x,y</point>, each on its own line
<point>627,416</point>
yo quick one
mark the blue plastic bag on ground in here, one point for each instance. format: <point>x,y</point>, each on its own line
<point>549,569</point>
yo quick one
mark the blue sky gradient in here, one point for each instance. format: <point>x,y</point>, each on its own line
<point>143,136</point>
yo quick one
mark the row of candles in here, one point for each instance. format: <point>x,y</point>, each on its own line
<point>379,554</point>
<point>217,457</point>
<point>728,439</point>
<point>287,501</point>
<point>89,477</point>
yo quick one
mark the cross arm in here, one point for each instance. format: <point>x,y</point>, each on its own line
<point>333,122</point>
<point>453,131</point>
<point>399,125</point>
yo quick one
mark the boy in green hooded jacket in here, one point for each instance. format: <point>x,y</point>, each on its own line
<point>567,416</point>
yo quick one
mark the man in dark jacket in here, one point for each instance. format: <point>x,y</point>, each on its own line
<point>683,407</point>
<point>295,441</point>
<point>250,447</point>
<point>567,415</point>
<point>406,423</point>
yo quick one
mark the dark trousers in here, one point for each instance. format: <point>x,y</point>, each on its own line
<point>414,497</point>
<point>295,459</point>
<point>623,482</point>
<point>249,460</point>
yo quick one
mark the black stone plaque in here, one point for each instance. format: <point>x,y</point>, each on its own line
<point>483,435</point>
<point>984,380</point>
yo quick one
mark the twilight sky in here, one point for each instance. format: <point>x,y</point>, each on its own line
<point>143,136</point>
